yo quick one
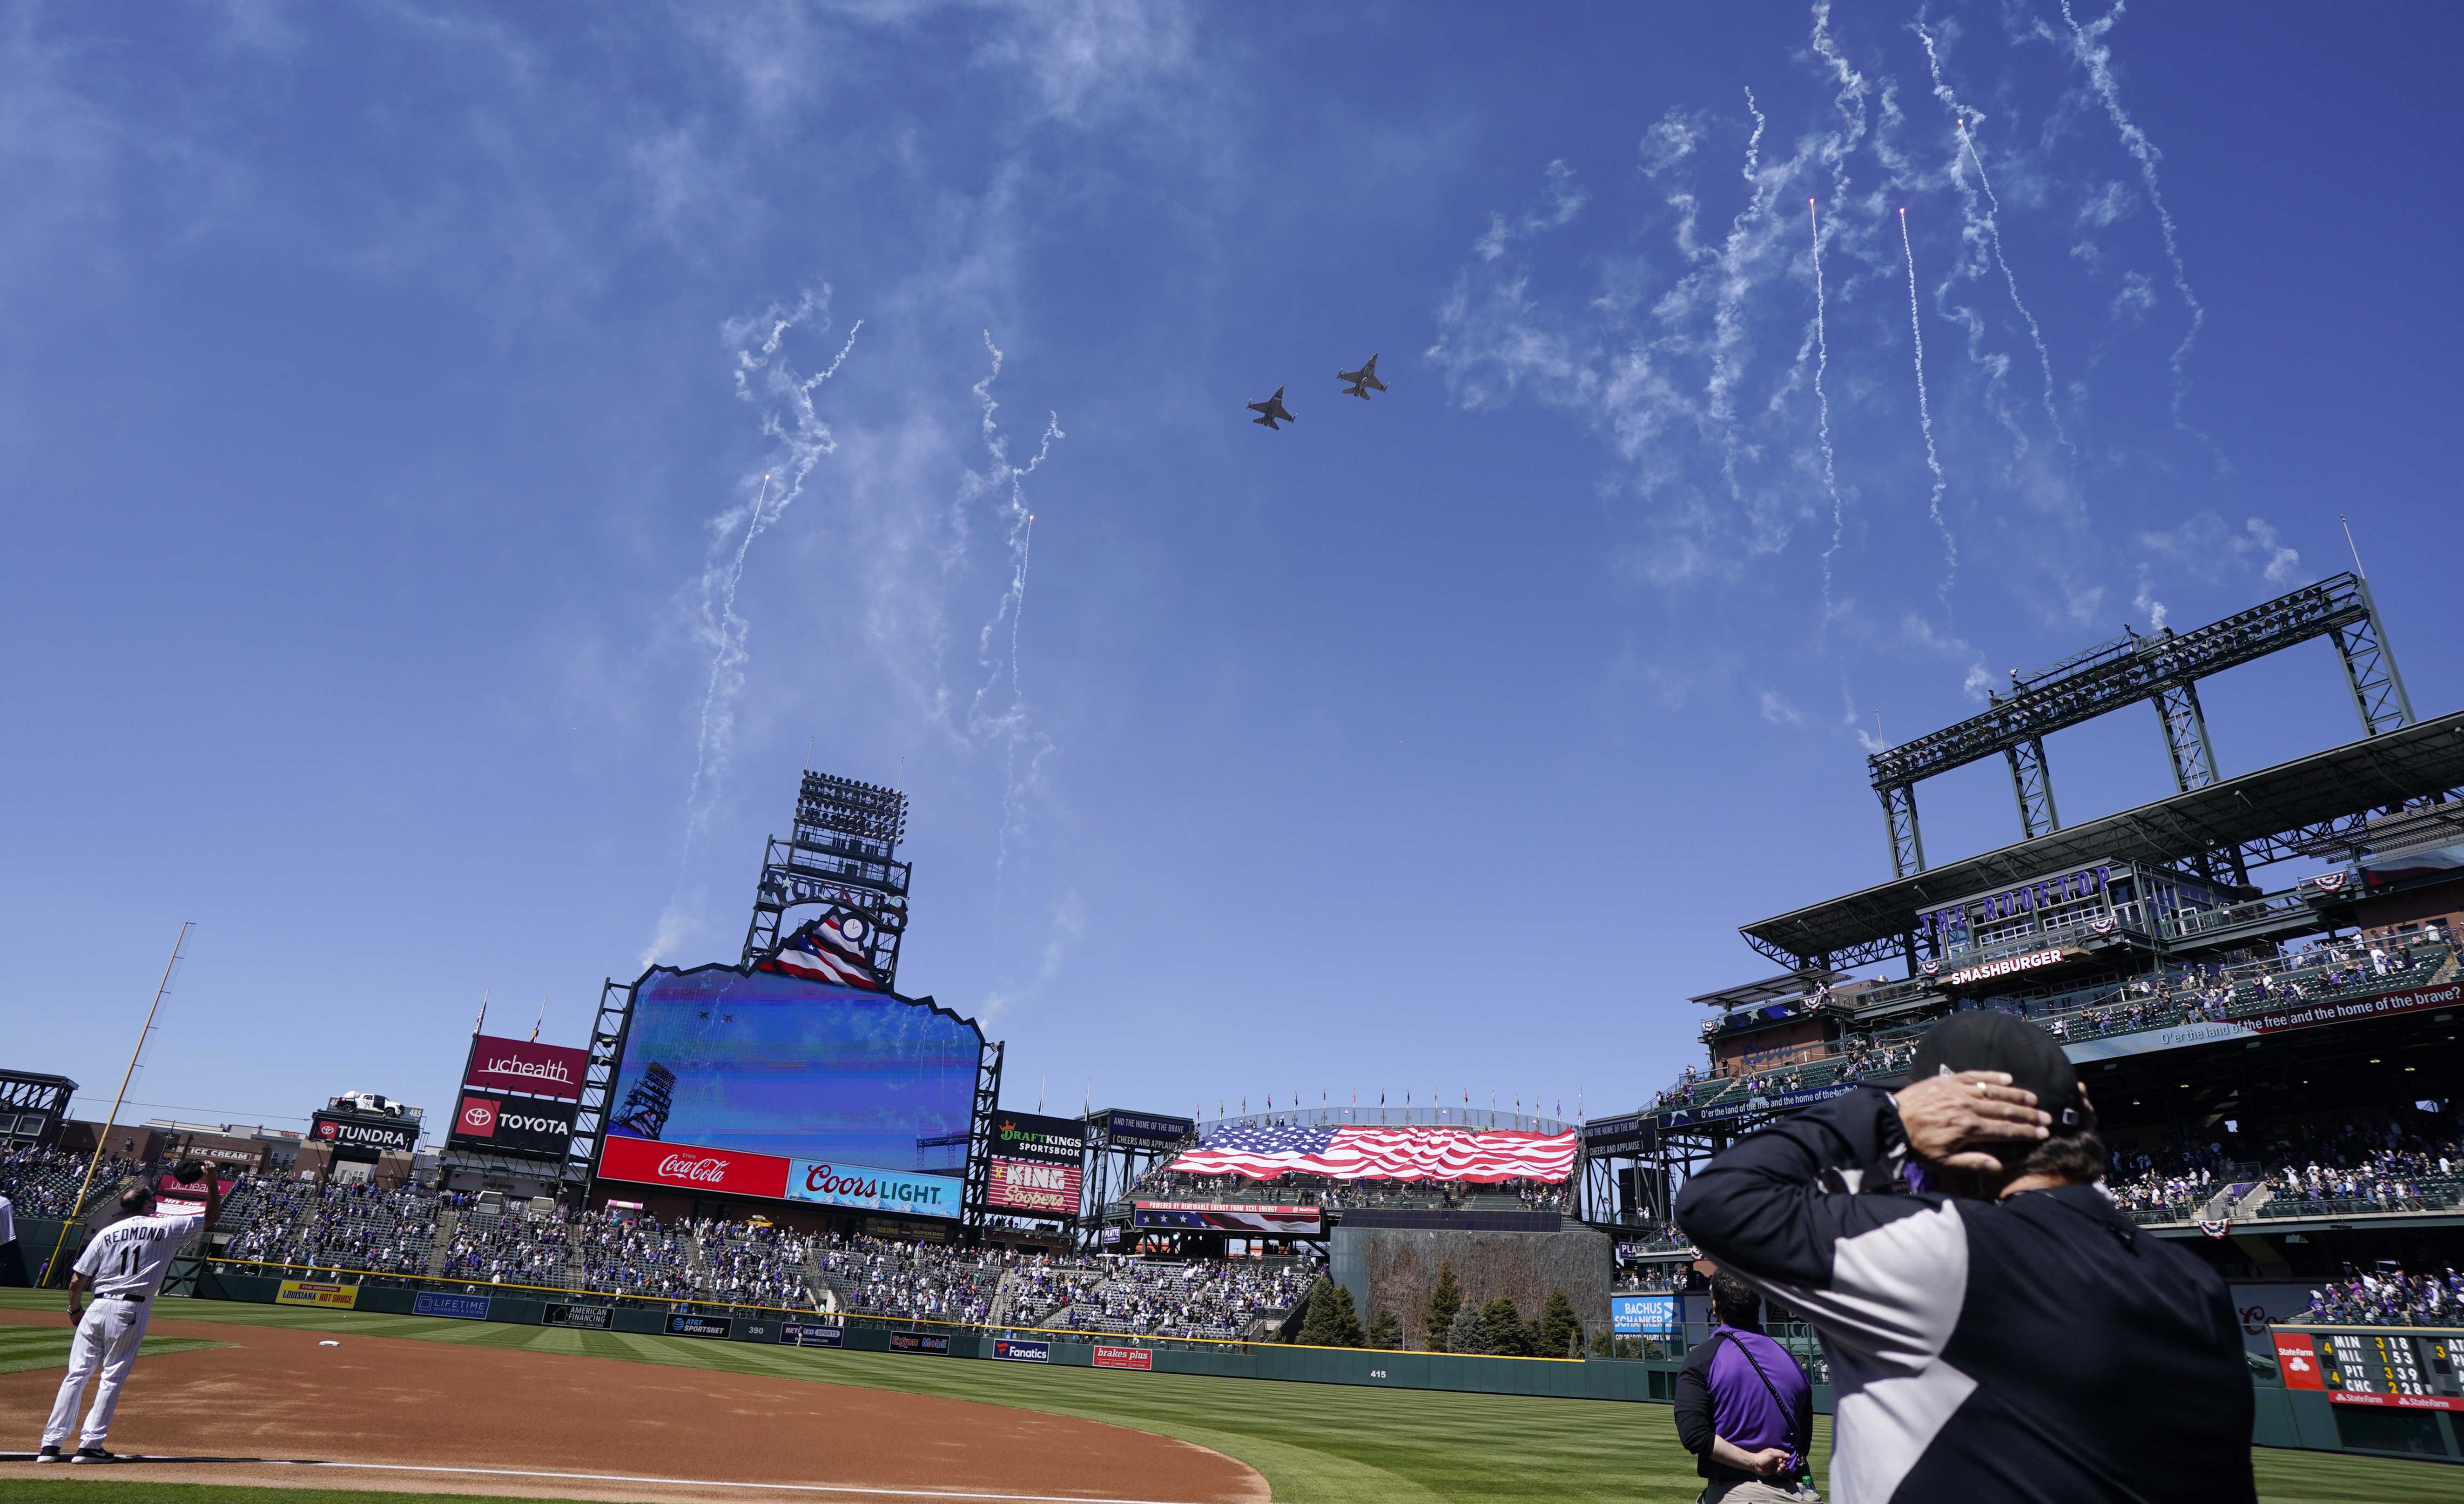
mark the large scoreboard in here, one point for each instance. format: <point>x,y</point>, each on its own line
<point>2401,1367</point>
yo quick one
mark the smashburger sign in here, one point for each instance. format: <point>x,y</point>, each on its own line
<point>686,1166</point>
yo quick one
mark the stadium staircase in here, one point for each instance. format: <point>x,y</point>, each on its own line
<point>448,1218</point>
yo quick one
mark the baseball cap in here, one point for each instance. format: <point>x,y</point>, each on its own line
<point>1985,1040</point>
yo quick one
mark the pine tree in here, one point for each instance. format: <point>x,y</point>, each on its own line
<point>1466,1333</point>
<point>1554,1334</point>
<point>1503,1325</point>
<point>1387,1331</point>
<point>1318,1326</point>
<point>1346,1325</point>
<point>1444,1302</point>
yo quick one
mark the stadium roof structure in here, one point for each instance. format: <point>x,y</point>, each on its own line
<point>2311,805</point>
<point>1788,984</point>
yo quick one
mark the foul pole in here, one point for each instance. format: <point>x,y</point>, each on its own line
<point>102,1139</point>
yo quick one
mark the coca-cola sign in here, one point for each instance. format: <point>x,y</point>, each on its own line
<point>687,1166</point>
<point>834,1184</point>
<point>523,1065</point>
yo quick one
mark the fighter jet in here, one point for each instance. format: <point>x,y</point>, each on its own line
<point>1271,409</point>
<point>1363,381</point>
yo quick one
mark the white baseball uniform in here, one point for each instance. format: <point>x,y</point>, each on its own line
<point>124,1264</point>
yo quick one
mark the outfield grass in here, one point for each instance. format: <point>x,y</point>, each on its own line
<point>23,1347</point>
<point>1317,1444</point>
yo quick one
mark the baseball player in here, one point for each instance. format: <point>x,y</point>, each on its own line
<point>123,1264</point>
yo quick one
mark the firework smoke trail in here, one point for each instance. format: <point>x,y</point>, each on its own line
<point>1011,724</point>
<point>1962,119</point>
<point>803,439</point>
<point>1924,417</point>
<point>1822,417</point>
<point>1733,286</point>
<point>2097,61</point>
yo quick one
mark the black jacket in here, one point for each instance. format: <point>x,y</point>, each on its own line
<point>2038,1348</point>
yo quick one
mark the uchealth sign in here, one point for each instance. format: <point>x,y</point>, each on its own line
<point>524,1065</point>
<point>685,1166</point>
<point>512,1124</point>
<point>831,1182</point>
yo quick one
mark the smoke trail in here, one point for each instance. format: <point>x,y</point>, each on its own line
<point>1822,418</point>
<point>1924,417</point>
<point>785,401</point>
<point>1734,283</point>
<point>2097,61</point>
<point>1011,724</point>
<point>1963,119</point>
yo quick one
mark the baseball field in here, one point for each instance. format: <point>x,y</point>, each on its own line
<point>389,1408</point>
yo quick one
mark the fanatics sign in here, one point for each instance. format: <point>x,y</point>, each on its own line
<point>687,1168</point>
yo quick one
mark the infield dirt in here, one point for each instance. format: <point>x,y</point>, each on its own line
<point>277,1393</point>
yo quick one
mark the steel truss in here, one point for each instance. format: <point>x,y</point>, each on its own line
<point>841,851</point>
<point>2163,669</point>
<point>597,1085</point>
<point>979,1142</point>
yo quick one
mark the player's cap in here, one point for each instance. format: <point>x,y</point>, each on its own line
<point>1985,1040</point>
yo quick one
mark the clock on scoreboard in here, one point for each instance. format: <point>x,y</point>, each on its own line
<point>2399,1367</point>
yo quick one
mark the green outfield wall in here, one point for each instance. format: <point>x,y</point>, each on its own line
<point>2305,1420</point>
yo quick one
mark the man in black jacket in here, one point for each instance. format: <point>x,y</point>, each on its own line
<point>1996,1330</point>
<point>1744,1408</point>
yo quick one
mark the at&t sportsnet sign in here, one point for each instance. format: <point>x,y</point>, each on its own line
<point>512,1124</point>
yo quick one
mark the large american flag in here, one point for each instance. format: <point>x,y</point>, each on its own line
<point>826,950</point>
<point>1376,1153</point>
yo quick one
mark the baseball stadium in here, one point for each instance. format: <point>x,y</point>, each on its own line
<point>773,1230</point>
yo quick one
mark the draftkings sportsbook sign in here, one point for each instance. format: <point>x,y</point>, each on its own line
<point>1037,1165</point>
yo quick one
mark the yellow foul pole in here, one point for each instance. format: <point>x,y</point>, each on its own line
<point>102,1139</point>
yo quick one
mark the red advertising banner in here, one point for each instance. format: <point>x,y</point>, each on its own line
<point>170,1189</point>
<point>687,1168</point>
<point>520,1065</point>
<point>1025,1186</point>
<point>2397,1402</point>
<point>2298,1358</point>
<point>1139,1358</point>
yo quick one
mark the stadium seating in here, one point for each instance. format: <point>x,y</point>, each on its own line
<point>2390,1298</point>
<point>2326,973</point>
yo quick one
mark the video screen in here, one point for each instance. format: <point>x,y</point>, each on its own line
<point>802,1070</point>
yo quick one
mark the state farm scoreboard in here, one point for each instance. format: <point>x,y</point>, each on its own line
<point>781,1087</point>
<point>2396,1368</point>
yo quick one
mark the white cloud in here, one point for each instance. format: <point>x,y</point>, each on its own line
<point>1780,713</point>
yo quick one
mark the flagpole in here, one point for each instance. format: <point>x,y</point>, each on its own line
<point>112,1120</point>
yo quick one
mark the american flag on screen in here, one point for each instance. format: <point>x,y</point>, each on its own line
<point>1386,1153</point>
<point>826,950</point>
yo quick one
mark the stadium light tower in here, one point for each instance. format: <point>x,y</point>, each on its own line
<point>842,851</point>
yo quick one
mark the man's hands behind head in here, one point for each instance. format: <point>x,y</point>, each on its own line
<point>1950,1119</point>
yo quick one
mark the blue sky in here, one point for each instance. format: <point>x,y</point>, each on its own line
<point>388,392</point>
